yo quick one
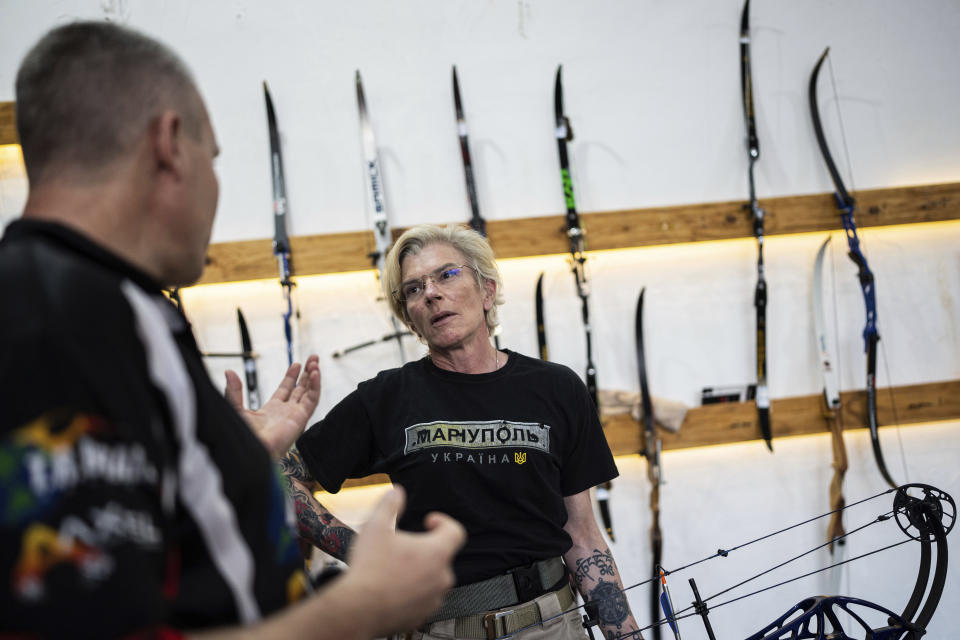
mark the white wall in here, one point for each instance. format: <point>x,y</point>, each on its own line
<point>652,91</point>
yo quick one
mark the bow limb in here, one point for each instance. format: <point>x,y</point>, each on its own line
<point>541,325</point>
<point>835,528</point>
<point>651,451</point>
<point>656,548</point>
<point>831,397</point>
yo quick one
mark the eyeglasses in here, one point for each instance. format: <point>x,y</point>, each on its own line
<point>412,290</point>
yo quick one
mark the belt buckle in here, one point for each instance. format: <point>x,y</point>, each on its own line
<point>490,623</point>
<point>527,582</point>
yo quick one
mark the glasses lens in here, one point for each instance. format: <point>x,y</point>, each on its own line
<point>444,275</point>
<point>411,290</point>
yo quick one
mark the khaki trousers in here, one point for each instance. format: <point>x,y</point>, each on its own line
<point>563,627</point>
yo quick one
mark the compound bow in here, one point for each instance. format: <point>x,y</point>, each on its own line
<point>926,518</point>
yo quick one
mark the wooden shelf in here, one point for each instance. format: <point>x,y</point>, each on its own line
<point>523,237</point>
<point>737,422</point>
<point>802,415</point>
<point>8,123</point>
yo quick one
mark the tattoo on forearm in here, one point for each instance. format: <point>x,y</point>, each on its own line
<point>293,466</point>
<point>319,527</point>
<point>602,560</point>
<point>611,602</point>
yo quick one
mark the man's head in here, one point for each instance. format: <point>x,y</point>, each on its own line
<point>102,106</point>
<point>85,93</point>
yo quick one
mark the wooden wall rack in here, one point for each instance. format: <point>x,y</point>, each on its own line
<point>546,235</point>
<point>524,237</point>
<point>8,123</point>
<point>737,421</point>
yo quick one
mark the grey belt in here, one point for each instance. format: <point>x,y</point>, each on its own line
<point>517,585</point>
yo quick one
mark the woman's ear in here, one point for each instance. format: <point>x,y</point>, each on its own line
<point>489,294</point>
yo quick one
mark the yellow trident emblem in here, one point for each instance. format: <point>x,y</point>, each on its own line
<point>519,458</point>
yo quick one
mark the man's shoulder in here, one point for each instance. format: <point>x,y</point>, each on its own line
<point>56,301</point>
<point>41,276</point>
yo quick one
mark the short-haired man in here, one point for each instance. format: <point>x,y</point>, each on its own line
<point>134,500</point>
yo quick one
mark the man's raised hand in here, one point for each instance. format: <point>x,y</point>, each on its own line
<point>282,418</point>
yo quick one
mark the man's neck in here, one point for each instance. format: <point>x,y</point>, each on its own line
<point>98,212</point>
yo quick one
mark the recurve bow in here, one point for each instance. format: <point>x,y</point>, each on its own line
<point>760,293</point>
<point>575,235</point>
<point>651,451</point>
<point>281,243</point>
<point>847,205</point>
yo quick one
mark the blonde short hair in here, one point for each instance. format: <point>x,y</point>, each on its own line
<point>471,244</point>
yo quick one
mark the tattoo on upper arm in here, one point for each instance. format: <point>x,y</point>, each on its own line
<point>292,465</point>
